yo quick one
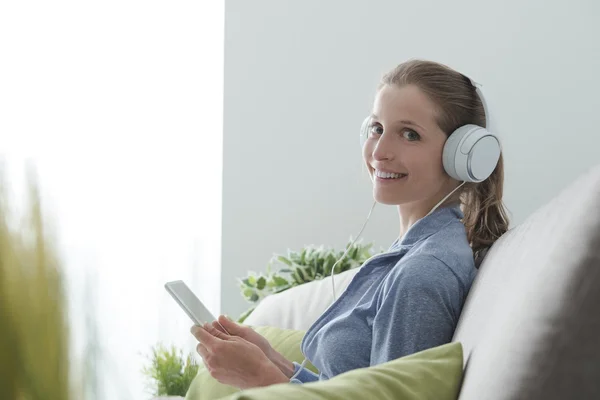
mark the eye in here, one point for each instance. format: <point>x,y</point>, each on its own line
<point>375,129</point>
<point>411,135</point>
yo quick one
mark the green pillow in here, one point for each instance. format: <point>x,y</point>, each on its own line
<point>285,341</point>
<point>433,374</point>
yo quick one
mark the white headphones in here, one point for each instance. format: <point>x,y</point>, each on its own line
<point>471,152</point>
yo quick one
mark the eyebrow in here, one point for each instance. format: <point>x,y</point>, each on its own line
<point>403,121</point>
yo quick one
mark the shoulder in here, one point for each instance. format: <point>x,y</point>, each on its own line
<point>438,263</point>
<point>421,271</point>
<point>423,282</point>
<point>450,247</point>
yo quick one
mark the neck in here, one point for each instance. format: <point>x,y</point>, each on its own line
<point>410,213</point>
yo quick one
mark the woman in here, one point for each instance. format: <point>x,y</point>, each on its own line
<point>410,298</point>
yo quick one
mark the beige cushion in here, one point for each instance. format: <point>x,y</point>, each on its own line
<point>297,308</point>
<point>531,323</point>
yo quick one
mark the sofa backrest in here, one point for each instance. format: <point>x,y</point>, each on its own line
<point>530,327</point>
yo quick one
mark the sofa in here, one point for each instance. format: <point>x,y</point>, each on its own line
<point>530,326</point>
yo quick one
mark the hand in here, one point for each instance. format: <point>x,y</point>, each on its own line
<point>235,361</point>
<point>225,326</point>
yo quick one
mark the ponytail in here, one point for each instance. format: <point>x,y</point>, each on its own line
<point>485,217</point>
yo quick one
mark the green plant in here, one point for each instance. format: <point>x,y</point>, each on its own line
<point>298,267</point>
<point>34,333</point>
<point>170,372</point>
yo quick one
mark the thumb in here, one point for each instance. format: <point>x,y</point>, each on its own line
<point>232,327</point>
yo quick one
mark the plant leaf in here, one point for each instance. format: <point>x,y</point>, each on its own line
<point>246,282</point>
<point>284,260</point>
<point>248,292</point>
<point>245,315</point>
<point>261,283</point>
<point>279,281</point>
<point>303,256</point>
<point>298,277</point>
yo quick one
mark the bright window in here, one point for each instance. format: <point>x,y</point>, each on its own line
<point>119,104</point>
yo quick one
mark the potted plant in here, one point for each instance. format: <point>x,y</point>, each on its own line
<point>298,267</point>
<point>169,372</point>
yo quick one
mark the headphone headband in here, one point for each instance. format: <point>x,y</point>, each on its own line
<point>486,110</point>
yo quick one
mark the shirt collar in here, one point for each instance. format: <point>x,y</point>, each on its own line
<point>429,225</point>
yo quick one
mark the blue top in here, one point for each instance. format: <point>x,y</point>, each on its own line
<point>400,302</point>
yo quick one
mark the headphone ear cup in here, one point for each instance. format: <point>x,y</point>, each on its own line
<point>471,153</point>
<point>449,154</point>
<point>364,131</point>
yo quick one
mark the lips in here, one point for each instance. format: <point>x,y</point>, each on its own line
<point>388,175</point>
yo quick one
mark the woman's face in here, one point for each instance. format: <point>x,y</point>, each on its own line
<point>403,151</point>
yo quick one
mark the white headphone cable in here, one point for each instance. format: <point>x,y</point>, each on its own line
<point>349,247</point>
<point>445,198</point>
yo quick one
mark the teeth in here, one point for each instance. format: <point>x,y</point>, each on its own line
<point>388,175</point>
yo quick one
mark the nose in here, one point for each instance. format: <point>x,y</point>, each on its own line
<point>383,149</point>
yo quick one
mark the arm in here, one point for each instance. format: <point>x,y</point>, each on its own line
<point>419,309</point>
<point>290,369</point>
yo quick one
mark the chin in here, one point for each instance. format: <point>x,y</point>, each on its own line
<point>388,199</point>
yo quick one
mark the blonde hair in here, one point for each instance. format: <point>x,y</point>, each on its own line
<point>457,102</point>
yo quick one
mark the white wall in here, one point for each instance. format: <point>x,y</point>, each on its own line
<point>300,77</point>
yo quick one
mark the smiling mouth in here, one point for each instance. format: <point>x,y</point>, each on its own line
<point>389,175</point>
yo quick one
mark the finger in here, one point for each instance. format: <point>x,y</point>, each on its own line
<point>228,325</point>
<point>218,327</point>
<point>202,350</point>
<point>204,337</point>
<point>215,331</point>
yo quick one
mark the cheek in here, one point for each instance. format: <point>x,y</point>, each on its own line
<point>367,150</point>
<point>425,167</point>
